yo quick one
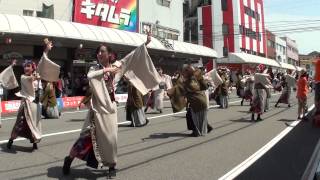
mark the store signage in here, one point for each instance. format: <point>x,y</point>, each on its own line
<point>118,14</point>
<point>12,55</point>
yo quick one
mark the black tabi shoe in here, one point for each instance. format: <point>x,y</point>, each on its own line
<point>289,105</point>
<point>146,109</point>
<point>112,172</point>
<point>35,146</point>
<point>209,128</point>
<point>276,105</point>
<point>242,103</point>
<point>147,122</point>
<point>9,144</point>
<point>66,165</point>
<point>252,117</point>
<point>160,111</point>
<point>259,118</point>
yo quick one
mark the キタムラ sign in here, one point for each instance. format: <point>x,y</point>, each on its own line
<point>117,14</point>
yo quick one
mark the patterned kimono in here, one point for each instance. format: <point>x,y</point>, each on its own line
<point>159,93</point>
<point>197,106</point>
<point>197,119</point>
<point>134,106</point>
<point>259,99</point>
<point>248,91</point>
<point>8,80</point>
<point>286,93</point>
<point>28,123</point>
<point>178,101</point>
<point>97,143</point>
<point>49,102</point>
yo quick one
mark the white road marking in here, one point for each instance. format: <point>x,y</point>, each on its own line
<point>60,133</point>
<point>254,157</point>
<point>121,123</point>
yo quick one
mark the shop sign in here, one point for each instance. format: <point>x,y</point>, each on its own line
<point>118,14</point>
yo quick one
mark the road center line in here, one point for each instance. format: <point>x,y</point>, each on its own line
<point>120,123</point>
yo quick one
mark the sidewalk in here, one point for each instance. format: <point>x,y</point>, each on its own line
<point>289,158</point>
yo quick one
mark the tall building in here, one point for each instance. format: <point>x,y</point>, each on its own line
<point>271,45</point>
<point>230,26</point>
<point>281,50</point>
<point>292,51</point>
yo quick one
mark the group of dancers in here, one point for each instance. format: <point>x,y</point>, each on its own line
<point>256,88</point>
<point>97,143</point>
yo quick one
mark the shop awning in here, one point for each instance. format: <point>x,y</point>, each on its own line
<point>26,25</point>
<point>287,66</point>
<point>298,68</point>
<point>244,58</point>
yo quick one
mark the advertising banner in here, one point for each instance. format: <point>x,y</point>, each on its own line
<point>117,14</point>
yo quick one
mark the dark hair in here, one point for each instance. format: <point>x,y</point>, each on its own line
<point>29,62</point>
<point>105,45</point>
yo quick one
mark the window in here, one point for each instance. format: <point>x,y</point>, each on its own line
<point>242,30</point>
<point>201,27</point>
<point>225,29</point>
<point>27,12</point>
<point>175,36</point>
<point>224,5</point>
<point>252,13</point>
<point>225,51</point>
<point>165,3</point>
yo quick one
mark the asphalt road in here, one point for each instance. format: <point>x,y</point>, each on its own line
<point>160,151</point>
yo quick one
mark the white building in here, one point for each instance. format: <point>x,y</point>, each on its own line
<point>281,50</point>
<point>54,9</point>
<point>164,16</point>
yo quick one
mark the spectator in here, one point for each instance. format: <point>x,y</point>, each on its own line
<point>302,93</point>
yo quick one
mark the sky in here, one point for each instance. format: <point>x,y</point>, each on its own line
<point>295,14</point>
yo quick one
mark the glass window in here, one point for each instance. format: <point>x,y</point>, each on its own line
<point>225,29</point>
<point>225,51</point>
<point>165,3</point>
<point>175,36</point>
<point>27,12</point>
<point>224,5</point>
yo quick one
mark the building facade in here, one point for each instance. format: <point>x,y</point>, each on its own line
<point>271,45</point>
<point>307,62</point>
<point>53,9</point>
<point>281,50</point>
<point>164,17</point>
<point>292,51</point>
<point>233,26</point>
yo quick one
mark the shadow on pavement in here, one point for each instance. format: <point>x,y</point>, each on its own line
<point>166,135</point>
<point>56,172</point>
<point>14,149</point>
<point>76,120</point>
<point>287,120</point>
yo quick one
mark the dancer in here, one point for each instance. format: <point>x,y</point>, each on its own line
<point>261,83</point>
<point>249,88</point>
<point>28,123</point>
<point>49,101</point>
<point>97,144</point>
<point>134,106</point>
<point>286,83</point>
<point>8,79</point>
